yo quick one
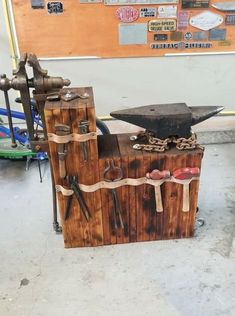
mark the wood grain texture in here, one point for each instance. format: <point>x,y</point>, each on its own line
<point>109,151</point>
<point>138,203</point>
<point>77,231</point>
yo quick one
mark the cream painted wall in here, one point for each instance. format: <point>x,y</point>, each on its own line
<point>120,83</point>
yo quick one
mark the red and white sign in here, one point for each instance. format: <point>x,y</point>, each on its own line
<point>127,14</point>
<point>183,20</point>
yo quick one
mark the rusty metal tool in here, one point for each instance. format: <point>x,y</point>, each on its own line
<point>43,85</point>
<point>68,207</point>
<point>62,130</point>
<point>186,174</point>
<point>8,107</point>
<point>158,175</point>
<point>83,127</point>
<point>114,173</point>
<point>79,196</point>
<point>165,120</point>
<point>73,184</point>
<point>41,82</point>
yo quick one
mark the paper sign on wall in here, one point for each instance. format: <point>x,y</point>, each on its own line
<point>206,20</point>
<point>148,12</point>
<point>162,25</point>
<point>127,14</point>
<point>133,2</point>
<point>167,11</point>
<point>132,34</point>
<point>90,1</point>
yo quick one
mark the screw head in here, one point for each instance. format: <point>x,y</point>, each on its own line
<point>133,137</point>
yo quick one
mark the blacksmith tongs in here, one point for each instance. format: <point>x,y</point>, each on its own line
<point>79,196</point>
<point>114,173</point>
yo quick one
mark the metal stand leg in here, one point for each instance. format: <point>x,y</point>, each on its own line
<point>39,169</point>
<point>56,226</point>
<point>28,161</point>
<point>200,221</point>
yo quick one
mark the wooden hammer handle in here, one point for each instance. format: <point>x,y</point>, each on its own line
<point>62,169</point>
<point>158,198</point>
<point>185,198</point>
<point>186,174</point>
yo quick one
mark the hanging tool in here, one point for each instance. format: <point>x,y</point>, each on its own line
<point>62,130</point>
<point>8,107</point>
<point>158,175</point>
<point>79,196</point>
<point>114,173</point>
<point>43,85</point>
<point>68,207</point>
<point>83,127</point>
<point>186,174</point>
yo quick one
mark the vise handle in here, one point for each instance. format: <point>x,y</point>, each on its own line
<point>62,130</point>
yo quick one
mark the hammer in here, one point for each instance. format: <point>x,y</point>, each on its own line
<point>158,175</point>
<point>186,174</point>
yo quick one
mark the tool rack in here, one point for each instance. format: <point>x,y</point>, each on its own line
<point>136,193</point>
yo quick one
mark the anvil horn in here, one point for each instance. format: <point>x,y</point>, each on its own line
<point>166,120</point>
<point>202,113</point>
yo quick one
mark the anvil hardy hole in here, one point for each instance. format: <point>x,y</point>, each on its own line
<point>152,110</point>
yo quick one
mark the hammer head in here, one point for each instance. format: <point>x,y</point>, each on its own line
<point>186,173</point>
<point>158,175</point>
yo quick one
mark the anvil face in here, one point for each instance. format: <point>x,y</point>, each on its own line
<point>166,120</point>
<point>163,120</point>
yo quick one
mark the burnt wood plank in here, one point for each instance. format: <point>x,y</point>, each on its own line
<point>103,152</point>
<point>126,151</point>
<point>193,161</point>
<point>97,221</point>
<point>73,223</point>
<point>73,161</point>
<point>91,117</point>
<point>125,200</point>
<point>84,176</point>
<point>109,150</point>
<point>156,219</point>
<point>146,207</point>
<point>76,231</point>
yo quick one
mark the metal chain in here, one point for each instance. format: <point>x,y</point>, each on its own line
<point>154,143</point>
<point>187,143</point>
<point>149,147</point>
<point>160,145</point>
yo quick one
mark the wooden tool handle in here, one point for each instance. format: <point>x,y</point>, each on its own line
<point>158,197</point>
<point>62,169</point>
<point>185,198</point>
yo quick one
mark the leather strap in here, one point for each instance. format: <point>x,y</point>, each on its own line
<point>64,191</point>
<point>126,181</point>
<point>71,137</point>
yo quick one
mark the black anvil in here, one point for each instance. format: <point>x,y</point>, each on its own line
<point>165,120</point>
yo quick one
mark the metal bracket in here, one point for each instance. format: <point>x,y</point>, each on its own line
<point>67,96</point>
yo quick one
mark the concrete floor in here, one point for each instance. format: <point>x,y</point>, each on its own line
<point>193,277</point>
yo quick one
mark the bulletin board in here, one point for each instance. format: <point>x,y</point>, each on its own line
<point>123,28</point>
